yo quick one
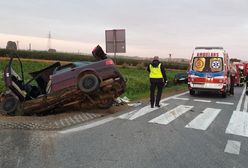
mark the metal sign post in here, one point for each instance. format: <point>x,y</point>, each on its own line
<point>114,33</point>
<point>115,41</point>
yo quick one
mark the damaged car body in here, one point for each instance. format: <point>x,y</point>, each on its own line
<point>84,83</point>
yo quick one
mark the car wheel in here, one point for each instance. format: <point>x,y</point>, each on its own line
<point>88,83</point>
<point>191,92</point>
<point>224,94</point>
<point>10,104</point>
<point>105,104</point>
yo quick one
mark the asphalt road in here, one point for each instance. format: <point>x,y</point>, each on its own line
<point>202,131</point>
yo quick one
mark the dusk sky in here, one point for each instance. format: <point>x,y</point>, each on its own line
<point>153,27</point>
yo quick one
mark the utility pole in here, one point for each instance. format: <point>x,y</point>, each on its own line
<point>30,47</point>
<point>49,41</point>
<point>17,45</point>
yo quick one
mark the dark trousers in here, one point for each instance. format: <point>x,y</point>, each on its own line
<point>232,85</point>
<point>232,89</point>
<point>153,86</point>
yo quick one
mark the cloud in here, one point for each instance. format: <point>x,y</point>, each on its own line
<point>151,26</point>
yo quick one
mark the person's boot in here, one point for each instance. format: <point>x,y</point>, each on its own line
<point>157,105</point>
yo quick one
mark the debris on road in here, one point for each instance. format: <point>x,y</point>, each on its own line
<point>121,100</point>
<point>134,104</point>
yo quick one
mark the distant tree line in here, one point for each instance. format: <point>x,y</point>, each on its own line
<point>122,61</point>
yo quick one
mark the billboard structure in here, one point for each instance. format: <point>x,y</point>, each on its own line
<point>115,41</point>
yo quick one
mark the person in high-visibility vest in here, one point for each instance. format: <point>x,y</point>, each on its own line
<point>158,80</point>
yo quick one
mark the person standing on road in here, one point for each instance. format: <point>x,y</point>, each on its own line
<point>246,79</point>
<point>232,81</point>
<point>158,80</point>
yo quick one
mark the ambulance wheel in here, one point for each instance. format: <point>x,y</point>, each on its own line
<point>224,94</point>
<point>191,92</point>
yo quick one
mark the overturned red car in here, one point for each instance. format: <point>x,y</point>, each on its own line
<point>90,83</point>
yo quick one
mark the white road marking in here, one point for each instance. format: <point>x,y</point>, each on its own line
<point>147,109</point>
<point>138,113</point>
<point>200,100</point>
<point>77,119</point>
<point>181,94</point>
<point>67,121</point>
<point>180,98</point>
<point>240,100</point>
<point>106,120</point>
<point>226,103</point>
<point>73,121</point>
<point>203,120</point>
<point>57,125</point>
<point>245,104</point>
<point>18,162</point>
<point>91,125</point>
<point>171,115</point>
<point>238,124</point>
<point>232,147</point>
<point>61,121</point>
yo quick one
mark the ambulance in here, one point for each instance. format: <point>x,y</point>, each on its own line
<point>209,71</point>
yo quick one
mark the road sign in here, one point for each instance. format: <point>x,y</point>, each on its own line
<point>115,41</point>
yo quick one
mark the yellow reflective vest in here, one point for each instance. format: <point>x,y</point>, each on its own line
<point>155,72</point>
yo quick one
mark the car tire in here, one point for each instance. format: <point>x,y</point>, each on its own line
<point>224,94</point>
<point>10,105</point>
<point>192,92</point>
<point>88,83</point>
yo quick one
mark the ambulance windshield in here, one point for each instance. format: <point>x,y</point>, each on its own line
<point>207,64</point>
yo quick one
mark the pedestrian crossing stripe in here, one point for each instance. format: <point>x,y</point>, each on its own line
<point>203,120</point>
<point>233,147</point>
<point>138,113</point>
<point>171,115</point>
<point>238,124</point>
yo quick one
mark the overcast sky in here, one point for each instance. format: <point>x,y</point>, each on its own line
<point>153,27</point>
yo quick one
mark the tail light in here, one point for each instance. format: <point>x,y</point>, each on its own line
<point>109,62</point>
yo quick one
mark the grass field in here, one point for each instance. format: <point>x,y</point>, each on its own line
<point>137,85</point>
